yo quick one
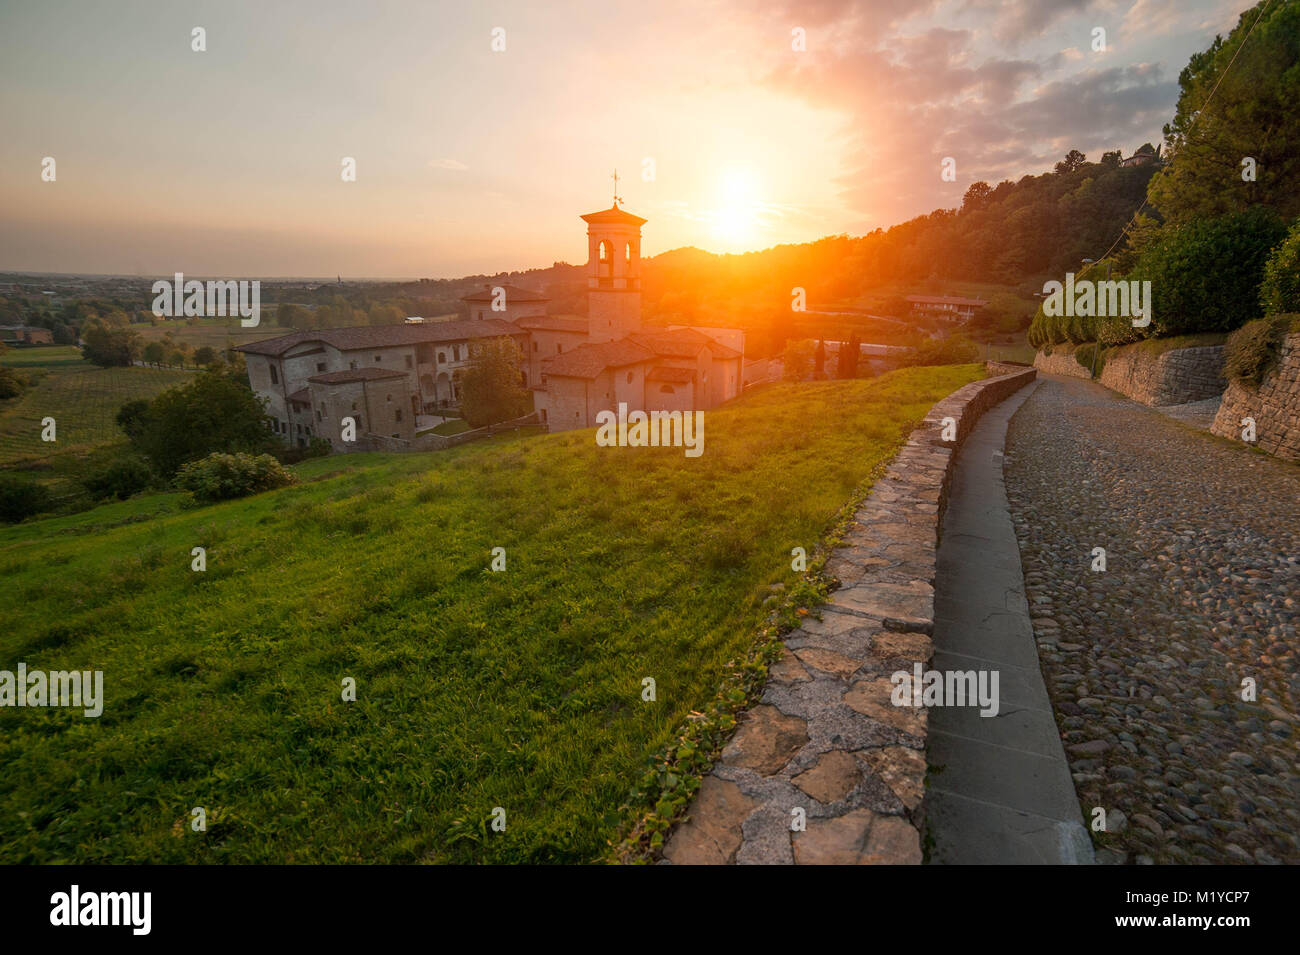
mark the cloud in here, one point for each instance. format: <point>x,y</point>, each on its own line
<point>453,164</point>
<point>918,99</point>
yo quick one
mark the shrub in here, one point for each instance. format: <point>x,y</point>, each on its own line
<point>1205,276</point>
<point>954,350</point>
<point>20,498</point>
<point>220,477</point>
<point>1279,293</point>
<point>1083,355</point>
<point>12,383</point>
<point>1254,348</point>
<point>121,478</point>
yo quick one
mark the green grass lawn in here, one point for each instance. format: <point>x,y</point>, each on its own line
<point>519,689</point>
<point>82,398</point>
<point>454,426</point>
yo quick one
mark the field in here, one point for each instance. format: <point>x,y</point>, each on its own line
<point>218,333</point>
<point>82,398</point>
<point>476,689</point>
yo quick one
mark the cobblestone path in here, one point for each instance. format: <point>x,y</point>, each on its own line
<point>1145,660</point>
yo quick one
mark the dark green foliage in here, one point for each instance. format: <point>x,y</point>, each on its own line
<point>214,412</point>
<point>221,477</point>
<point>20,498</point>
<point>110,341</point>
<point>1280,290</point>
<point>12,382</point>
<point>491,391</point>
<point>1252,114</point>
<point>123,476</point>
<point>1205,275</point>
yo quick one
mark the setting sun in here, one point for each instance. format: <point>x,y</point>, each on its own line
<point>736,218</point>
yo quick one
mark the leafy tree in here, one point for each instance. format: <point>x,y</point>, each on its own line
<point>154,353</point>
<point>976,194</point>
<point>176,358</point>
<point>1072,161</point>
<point>1111,158</point>
<point>20,498</point>
<point>798,360</point>
<point>205,355</point>
<point>1252,115</point>
<point>110,341</point>
<point>214,412</point>
<point>1280,291</point>
<point>490,389</point>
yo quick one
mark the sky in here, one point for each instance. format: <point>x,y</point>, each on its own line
<point>228,162</point>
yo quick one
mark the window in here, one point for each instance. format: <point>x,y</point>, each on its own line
<point>480,313</point>
<point>388,397</point>
<point>275,377</point>
<point>442,356</point>
<point>557,348</point>
<point>379,358</point>
<point>397,416</point>
<point>352,365</point>
<point>318,417</point>
<point>354,406</point>
<point>320,366</point>
<point>629,378</point>
<point>463,350</point>
<point>534,346</point>
<point>410,363</point>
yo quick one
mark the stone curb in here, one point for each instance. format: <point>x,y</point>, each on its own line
<point>825,738</point>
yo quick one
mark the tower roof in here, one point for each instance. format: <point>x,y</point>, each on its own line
<point>613,216</point>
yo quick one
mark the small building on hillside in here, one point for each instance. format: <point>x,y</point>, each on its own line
<point>945,308</point>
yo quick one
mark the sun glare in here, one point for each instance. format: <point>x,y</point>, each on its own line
<point>735,219</point>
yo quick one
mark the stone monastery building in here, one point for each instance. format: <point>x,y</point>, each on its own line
<point>386,376</point>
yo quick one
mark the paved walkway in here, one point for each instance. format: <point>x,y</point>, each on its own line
<point>999,787</point>
<point>1145,660</point>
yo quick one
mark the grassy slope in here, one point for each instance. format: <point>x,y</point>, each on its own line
<point>518,689</point>
<point>82,398</point>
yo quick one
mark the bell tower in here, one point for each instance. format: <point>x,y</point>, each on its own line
<point>613,272</point>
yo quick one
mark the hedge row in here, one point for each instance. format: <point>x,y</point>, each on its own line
<point>1211,275</point>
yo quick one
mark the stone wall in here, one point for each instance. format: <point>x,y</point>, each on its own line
<point>825,737</point>
<point>1174,377</point>
<point>1061,363</point>
<point>1275,406</point>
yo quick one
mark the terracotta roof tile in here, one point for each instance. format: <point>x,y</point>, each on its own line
<point>360,337</point>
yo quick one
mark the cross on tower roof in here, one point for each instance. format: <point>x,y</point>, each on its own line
<point>617,200</point>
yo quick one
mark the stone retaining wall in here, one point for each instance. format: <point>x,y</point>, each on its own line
<point>825,737</point>
<point>1061,363</point>
<point>1275,406</point>
<point>1174,377</point>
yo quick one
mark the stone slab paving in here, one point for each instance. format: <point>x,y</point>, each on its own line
<point>1145,660</point>
<point>825,738</point>
<point>999,789</point>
